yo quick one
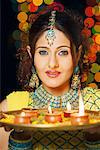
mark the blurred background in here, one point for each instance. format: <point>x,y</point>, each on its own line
<point>11,26</point>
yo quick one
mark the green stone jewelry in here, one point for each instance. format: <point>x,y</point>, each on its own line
<point>51,33</point>
<point>41,98</point>
<point>34,80</point>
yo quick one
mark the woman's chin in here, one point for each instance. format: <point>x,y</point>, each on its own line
<point>53,85</point>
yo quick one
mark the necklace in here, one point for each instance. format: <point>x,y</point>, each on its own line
<point>41,98</point>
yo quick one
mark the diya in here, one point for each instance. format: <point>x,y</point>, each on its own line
<point>81,117</point>
<point>22,118</point>
<point>53,117</point>
<point>30,112</point>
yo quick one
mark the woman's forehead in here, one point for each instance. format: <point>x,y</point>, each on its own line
<point>60,39</point>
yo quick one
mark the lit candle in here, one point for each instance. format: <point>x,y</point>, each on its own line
<point>52,116</point>
<point>49,109</point>
<point>67,113</point>
<point>22,118</point>
<point>22,114</point>
<point>68,106</point>
<point>81,117</point>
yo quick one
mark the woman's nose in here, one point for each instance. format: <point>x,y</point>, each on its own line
<point>53,62</point>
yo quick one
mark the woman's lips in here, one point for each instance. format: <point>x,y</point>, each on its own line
<point>53,74</point>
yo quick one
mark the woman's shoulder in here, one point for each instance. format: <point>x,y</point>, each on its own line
<point>91,98</point>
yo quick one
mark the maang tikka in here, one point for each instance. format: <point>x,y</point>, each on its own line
<point>50,36</point>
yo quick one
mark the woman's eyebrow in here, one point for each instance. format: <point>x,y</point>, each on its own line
<point>41,47</point>
<point>48,48</point>
<point>63,46</point>
<point>44,47</point>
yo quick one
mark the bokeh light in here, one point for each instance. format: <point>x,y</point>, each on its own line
<point>93,85</point>
<point>24,7</point>
<point>24,26</point>
<point>22,17</point>
<point>97,39</point>
<point>48,2</point>
<point>90,77</point>
<point>21,1</point>
<point>97,77</point>
<point>37,2</point>
<point>89,11</point>
<point>16,35</point>
<point>86,32</point>
<point>89,22</point>
<point>95,68</point>
<point>32,7</point>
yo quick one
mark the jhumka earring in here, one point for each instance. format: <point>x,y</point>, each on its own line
<point>76,84</point>
<point>51,33</point>
<point>34,81</point>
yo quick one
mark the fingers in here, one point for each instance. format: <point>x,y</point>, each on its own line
<point>1,125</point>
<point>7,128</point>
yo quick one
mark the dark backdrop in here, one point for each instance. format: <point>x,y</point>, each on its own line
<point>9,23</point>
<point>8,61</point>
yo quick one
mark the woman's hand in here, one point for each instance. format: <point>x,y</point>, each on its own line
<point>6,128</point>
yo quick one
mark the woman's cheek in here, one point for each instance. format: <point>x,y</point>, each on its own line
<point>40,67</point>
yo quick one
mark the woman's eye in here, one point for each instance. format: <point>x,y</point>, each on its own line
<point>61,53</point>
<point>43,52</point>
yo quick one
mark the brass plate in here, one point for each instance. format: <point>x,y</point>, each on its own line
<point>94,118</point>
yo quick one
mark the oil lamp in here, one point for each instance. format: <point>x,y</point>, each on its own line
<point>22,118</point>
<point>81,117</point>
<point>30,112</point>
<point>53,117</point>
<point>67,113</point>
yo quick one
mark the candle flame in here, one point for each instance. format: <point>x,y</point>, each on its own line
<point>81,105</point>
<point>23,114</point>
<point>49,109</point>
<point>68,106</point>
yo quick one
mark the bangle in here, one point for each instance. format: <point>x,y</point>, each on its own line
<point>19,144</point>
<point>92,145</point>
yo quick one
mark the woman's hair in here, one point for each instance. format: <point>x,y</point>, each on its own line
<point>70,23</point>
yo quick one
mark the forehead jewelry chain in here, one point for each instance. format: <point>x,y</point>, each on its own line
<point>50,36</point>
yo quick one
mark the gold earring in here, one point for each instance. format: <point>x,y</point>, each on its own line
<point>76,84</point>
<point>34,81</point>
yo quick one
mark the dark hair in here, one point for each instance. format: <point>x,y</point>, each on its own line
<point>70,23</point>
<point>66,21</point>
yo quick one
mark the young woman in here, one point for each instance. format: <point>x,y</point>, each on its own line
<point>50,68</point>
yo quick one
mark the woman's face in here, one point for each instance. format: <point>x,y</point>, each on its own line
<point>54,63</point>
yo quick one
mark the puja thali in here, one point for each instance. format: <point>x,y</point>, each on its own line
<point>39,123</point>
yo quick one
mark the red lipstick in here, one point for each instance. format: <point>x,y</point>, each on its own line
<point>52,74</point>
